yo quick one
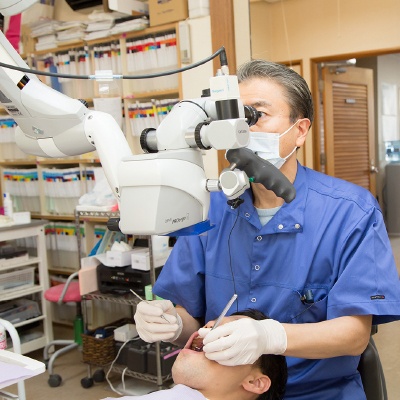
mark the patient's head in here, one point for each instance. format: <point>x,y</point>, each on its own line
<point>263,380</point>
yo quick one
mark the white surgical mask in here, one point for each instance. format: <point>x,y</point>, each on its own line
<point>266,146</point>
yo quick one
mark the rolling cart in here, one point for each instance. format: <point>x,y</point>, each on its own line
<point>107,355</point>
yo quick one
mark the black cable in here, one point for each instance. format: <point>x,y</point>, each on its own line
<point>221,50</point>
<point>230,259</point>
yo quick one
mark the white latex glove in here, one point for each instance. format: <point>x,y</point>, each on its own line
<point>157,320</point>
<point>243,341</point>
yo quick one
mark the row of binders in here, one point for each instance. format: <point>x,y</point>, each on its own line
<point>144,115</point>
<point>62,188</point>
<point>62,243</point>
<point>71,62</point>
<point>152,52</point>
<point>150,55</point>
<point>7,130</point>
<point>108,57</point>
<point>23,186</point>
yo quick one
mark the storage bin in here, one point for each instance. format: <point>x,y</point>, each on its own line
<point>98,351</point>
<point>17,280</point>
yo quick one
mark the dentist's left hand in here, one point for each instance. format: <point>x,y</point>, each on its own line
<point>157,320</point>
<point>243,341</point>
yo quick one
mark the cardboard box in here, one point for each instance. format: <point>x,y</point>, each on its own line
<point>165,11</point>
<point>27,41</point>
<point>36,13</point>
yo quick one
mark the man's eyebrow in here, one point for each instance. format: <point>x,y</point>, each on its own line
<point>260,103</point>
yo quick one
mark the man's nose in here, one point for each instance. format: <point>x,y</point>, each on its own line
<point>253,128</point>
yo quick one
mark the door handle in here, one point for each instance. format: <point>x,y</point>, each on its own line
<point>373,169</point>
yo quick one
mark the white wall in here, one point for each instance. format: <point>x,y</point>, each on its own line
<point>197,79</point>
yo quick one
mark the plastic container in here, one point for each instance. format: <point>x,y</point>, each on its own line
<point>168,353</point>
<point>17,280</point>
<point>7,205</point>
<point>137,356</point>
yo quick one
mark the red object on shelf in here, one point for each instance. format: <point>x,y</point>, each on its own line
<point>13,33</point>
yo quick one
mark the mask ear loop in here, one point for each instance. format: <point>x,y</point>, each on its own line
<point>290,154</point>
<point>288,129</point>
<point>284,133</point>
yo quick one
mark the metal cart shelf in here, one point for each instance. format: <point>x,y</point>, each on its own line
<point>126,299</point>
<point>129,300</point>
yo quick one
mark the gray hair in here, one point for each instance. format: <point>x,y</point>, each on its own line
<point>298,94</point>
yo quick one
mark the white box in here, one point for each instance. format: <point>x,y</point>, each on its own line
<point>125,332</point>
<point>131,7</point>
<point>140,258</point>
<point>22,217</point>
<point>199,8</point>
<point>118,258</point>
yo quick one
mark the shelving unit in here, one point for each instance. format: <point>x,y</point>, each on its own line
<point>43,333</point>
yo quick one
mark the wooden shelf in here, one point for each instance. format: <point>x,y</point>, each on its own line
<point>49,161</point>
<point>53,217</point>
<point>66,161</point>
<point>150,95</point>
<point>18,163</point>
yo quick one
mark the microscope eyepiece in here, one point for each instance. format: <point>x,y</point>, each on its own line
<point>251,115</point>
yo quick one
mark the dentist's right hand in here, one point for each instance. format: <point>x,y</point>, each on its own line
<point>157,320</point>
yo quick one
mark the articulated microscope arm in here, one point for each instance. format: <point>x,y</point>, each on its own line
<point>158,192</point>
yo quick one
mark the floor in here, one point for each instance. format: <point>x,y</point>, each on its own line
<point>72,370</point>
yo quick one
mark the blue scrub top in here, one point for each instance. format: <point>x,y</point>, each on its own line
<point>330,242</point>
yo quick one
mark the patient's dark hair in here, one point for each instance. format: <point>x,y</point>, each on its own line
<point>270,364</point>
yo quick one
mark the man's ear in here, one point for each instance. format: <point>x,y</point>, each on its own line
<point>257,383</point>
<point>303,126</point>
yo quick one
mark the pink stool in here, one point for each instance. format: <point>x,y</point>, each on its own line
<point>67,292</point>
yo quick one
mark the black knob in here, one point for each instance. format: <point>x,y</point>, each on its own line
<point>113,224</point>
<point>144,144</point>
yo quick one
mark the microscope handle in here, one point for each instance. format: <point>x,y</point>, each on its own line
<point>263,172</point>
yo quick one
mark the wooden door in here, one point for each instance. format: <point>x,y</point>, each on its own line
<point>349,125</point>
